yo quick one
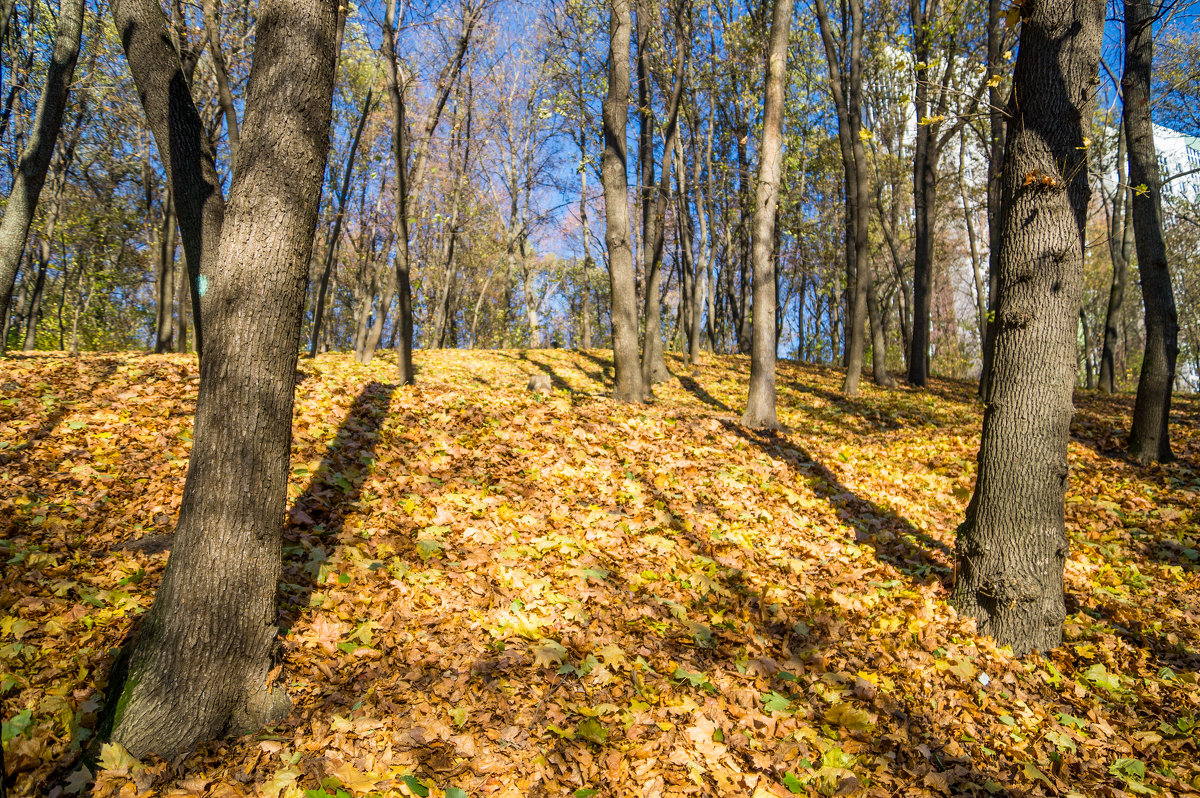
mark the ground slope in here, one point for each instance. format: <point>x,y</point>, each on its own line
<point>507,593</point>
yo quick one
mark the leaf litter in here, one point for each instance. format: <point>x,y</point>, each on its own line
<point>489,591</point>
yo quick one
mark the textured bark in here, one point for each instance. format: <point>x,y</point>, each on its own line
<point>1011,548</point>
<point>760,402</point>
<point>183,144</point>
<point>30,174</point>
<point>627,365</point>
<point>925,159</point>
<point>1120,249</point>
<point>201,664</point>
<point>1149,438</point>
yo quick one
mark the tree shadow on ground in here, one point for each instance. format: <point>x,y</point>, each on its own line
<point>555,380</point>
<point>697,390</point>
<point>316,517</point>
<point>895,539</point>
<point>108,367</point>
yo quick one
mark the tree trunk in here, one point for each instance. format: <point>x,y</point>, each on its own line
<point>1011,548</point>
<point>623,314</point>
<point>409,179</point>
<point>760,403</point>
<point>924,194</point>
<point>30,174</point>
<point>165,257</point>
<point>35,301</point>
<point>1120,248</point>
<point>997,64</point>
<point>1149,438</point>
<point>1087,355</point>
<point>201,665</point>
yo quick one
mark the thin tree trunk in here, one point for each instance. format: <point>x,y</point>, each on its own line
<point>331,243</point>
<point>201,664</point>
<point>997,64</point>
<point>409,179</point>
<point>212,26</point>
<point>1150,437</point>
<point>1011,549</point>
<point>1087,354</point>
<point>165,261</point>
<point>760,402</point>
<point>34,163</point>
<point>1120,249</point>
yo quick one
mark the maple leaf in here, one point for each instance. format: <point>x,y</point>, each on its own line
<point>548,653</point>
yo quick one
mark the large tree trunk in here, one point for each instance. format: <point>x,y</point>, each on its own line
<point>1120,248</point>
<point>30,174</point>
<point>628,372</point>
<point>1149,439</point>
<point>201,664</point>
<point>183,144</point>
<point>760,403</point>
<point>1011,548</point>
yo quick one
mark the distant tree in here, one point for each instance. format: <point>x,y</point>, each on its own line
<point>760,404</point>
<point>1012,546</point>
<point>34,162</point>
<point>201,663</point>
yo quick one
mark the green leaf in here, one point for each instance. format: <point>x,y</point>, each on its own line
<point>1099,676</point>
<point>1127,768</point>
<point>427,549</point>
<point>590,729</point>
<point>775,702</point>
<point>455,792</point>
<point>415,785</point>
<point>1070,720</point>
<point>582,792</point>
<point>793,784</point>
<point>19,724</point>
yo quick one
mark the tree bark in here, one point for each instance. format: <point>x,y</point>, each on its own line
<point>1012,546</point>
<point>30,174</point>
<point>760,402</point>
<point>627,365</point>
<point>201,665</point>
<point>165,263</point>
<point>1150,437</point>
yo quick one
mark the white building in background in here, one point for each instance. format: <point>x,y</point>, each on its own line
<point>1178,163</point>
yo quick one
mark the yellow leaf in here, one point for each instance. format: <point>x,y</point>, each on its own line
<point>548,653</point>
<point>848,717</point>
<point>283,778</point>
<point>114,757</point>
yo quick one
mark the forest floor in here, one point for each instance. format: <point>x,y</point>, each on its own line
<point>493,592</point>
